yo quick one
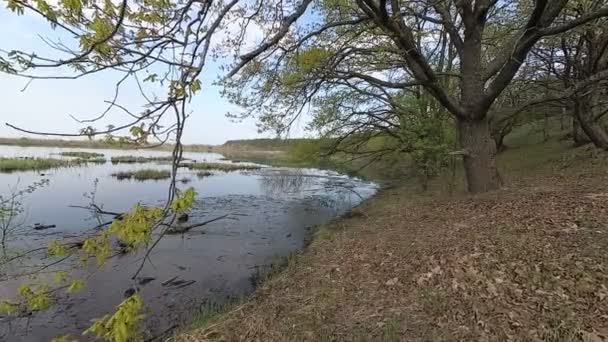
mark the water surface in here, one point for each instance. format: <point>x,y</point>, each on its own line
<point>269,214</point>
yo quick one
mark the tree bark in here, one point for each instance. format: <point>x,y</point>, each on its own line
<point>578,137</point>
<point>479,155</point>
<point>585,115</point>
<point>596,134</point>
<point>499,141</point>
<point>546,127</point>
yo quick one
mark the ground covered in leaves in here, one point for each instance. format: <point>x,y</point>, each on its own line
<point>526,263</point>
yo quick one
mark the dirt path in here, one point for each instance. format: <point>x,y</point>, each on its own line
<point>526,263</point>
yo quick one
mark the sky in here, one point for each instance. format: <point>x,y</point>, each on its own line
<point>47,105</point>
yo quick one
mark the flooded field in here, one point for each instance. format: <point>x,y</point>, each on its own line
<point>266,214</point>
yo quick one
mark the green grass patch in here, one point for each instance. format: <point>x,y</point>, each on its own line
<point>26,164</point>
<point>82,155</point>
<point>390,331</point>
<point>142,175</point>
<point>226,167</point>
<point>537,132</point>
<point>212,311</point>
<point>524,159</point>
<point>279,267</point>
<point>136,159</point>
<point>98,160</point>
<point>128,159</point>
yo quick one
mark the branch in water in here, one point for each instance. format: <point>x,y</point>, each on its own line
<point>181,230</point>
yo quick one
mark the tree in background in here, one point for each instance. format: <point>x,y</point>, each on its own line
<point>585,53</point>
<point>396,45</point>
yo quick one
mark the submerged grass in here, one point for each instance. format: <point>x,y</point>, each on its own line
<point>82,155</point>
<point>226,167</point>
<point>141,175</point>
<point>203,174</point>
<point>25,164</point>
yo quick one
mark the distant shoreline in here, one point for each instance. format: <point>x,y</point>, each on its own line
<point>242,149</point>
<point>95,144</point>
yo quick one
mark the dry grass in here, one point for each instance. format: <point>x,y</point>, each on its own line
<point>527,263</point>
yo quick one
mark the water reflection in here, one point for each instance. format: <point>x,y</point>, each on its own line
<point>330,189</point>
<point>285,181</point>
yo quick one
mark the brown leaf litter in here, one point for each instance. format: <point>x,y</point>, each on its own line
<point>524,264</point>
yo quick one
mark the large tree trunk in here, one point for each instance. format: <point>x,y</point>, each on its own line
<point>479,155</point>
<point>585,114</point>
<point>578,136</point>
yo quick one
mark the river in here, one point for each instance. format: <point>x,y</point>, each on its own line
<point>269,213</point>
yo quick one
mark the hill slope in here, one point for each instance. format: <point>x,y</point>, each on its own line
<point>524,263</point>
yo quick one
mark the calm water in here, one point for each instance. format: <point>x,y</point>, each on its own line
<point>270,213</point>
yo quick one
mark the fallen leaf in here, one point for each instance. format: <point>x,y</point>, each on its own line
<point>392,282</point>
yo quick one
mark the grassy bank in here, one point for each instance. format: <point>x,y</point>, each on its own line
<point>524,263</point>
<point>142,175</point>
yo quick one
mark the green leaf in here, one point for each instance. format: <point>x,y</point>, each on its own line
<point>56,249</point>
<point>8,308</point>
<point>151,78</point>
<point>75,286</point>
<point>195,86</point>
<point>14,7</point>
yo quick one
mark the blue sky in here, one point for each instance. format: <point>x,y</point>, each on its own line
<point>46,105</point>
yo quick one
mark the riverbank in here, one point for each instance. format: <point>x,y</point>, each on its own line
<point>527,262</point>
